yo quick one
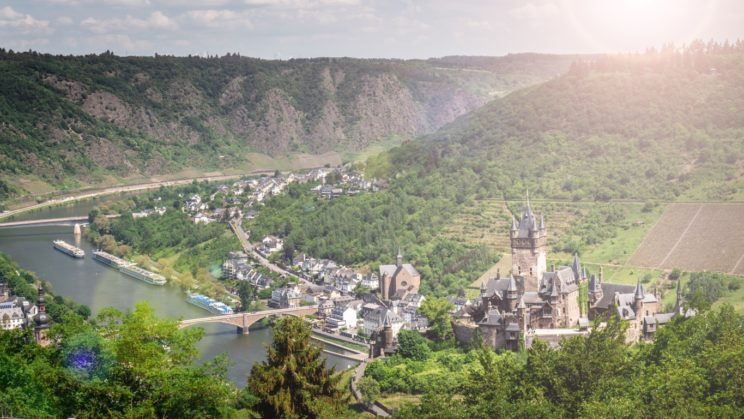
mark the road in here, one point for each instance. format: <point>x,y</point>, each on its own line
<point>249,249</point>
<point>120,189</point>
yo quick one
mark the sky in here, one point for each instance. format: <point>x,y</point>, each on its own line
<point>283,29</point>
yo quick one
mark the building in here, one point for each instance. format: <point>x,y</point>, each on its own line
<point>399,279</point>
<point>529,241</point>
<point>285,297</point>
<point>343,316</point>
<point>374,319</point>
<point>532,302</point>
<point>41,320</point>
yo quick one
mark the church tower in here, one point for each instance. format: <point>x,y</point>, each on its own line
<point>529,240</point>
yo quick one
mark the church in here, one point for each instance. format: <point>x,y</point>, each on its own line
<point>533,302</point>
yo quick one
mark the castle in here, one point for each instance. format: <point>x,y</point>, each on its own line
<point>533,302</point>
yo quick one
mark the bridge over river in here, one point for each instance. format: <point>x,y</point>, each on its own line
<point>82,219</point>
<point>243,321</point>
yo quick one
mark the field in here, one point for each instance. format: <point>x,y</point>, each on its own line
<point>695,237</point>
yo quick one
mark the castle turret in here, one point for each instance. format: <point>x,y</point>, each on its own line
<point>595,289</point>
<point>576,266</point>
<point>512,293</point>
<point>638,297</point>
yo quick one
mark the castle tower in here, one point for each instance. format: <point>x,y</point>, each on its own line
<point>529,240</point>
<point>638,297</point>
<point>512,293</point>
<point>595,289</point>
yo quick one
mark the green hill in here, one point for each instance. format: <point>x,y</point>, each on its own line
<point>659,126</point>
<point>79,119</point>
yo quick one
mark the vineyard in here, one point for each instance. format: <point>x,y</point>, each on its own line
<point>695,237</point>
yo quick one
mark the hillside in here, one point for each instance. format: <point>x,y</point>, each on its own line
<point>660,126</point>
<point>664,125</point>
<point>97,115</point>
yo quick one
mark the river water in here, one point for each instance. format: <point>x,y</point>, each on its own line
<point>97,286</point>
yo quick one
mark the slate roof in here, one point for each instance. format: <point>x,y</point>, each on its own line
<point>492,318</point>
<point>391,270</point>
<point>566,278</point>
<point>608,293</point>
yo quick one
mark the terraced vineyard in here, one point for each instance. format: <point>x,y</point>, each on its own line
<point>695,237</point>
<point>487,222</point>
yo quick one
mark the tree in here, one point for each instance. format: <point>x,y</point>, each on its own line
<point>412,345</point>
<point>294,380</point>
<point>246,293</point>
<point>436,310</point>
<point>370,389</point>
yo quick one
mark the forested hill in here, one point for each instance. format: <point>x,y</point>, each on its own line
<point>661,125</point>
<point>102,114</point>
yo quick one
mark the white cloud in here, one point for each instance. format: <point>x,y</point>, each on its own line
<point>156,20</point>
<point>125,42</point>
<point>219,18</point>
<point>10,18</point>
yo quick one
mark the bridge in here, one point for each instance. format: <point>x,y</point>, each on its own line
<point>244,320</point>
<point>83,219</point>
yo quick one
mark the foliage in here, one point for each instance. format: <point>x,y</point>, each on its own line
<point>412,345</point>
<point>693,369</point>
<point>436,310</point>
<point>369,388</point>
<point>246,293</point>
<point>711,285</point>
<point>294,381</point>
<point>368,228</point>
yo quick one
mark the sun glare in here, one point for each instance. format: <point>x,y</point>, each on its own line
<point>604,24</point>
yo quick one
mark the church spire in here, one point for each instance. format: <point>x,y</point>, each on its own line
<point>399,258</point>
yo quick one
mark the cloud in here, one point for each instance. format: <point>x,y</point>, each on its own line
<point>10,18</point>
<point>156,20</point>
<point>64,20</point>
<point>219,18</point>
<point>125,42</point>
<point>129,3</point>
<point>532,11</point>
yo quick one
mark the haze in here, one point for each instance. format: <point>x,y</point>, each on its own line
<point>361,28</point>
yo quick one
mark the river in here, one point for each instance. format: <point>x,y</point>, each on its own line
<point>97,286</point>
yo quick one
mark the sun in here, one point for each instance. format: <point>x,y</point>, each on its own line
<point>623,25</point>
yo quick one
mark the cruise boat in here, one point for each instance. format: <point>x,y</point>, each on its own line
<point>109,259</point>
<point>68,249</point>
<point>143,275</point>
<point>209,304</point>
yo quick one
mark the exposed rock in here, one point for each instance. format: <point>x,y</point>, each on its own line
<point>233,92</point>
<point>73,90</point>
<point>104,153</point>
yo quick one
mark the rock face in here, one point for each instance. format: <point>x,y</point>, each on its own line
<point>149,115</point>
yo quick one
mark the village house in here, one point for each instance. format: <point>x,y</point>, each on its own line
<point>344,316</point>
<point>271,244</point>
<point>287,296</point>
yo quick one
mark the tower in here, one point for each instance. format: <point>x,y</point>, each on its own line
<point>41,328</point>
<point>529,240</point>
<point>511,295</point>
<point>399,258</point>
<point>638,297</point>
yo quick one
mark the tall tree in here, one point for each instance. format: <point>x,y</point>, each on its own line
<point>246,293</point>
<point>437,311</point>
<point>294,380</point>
